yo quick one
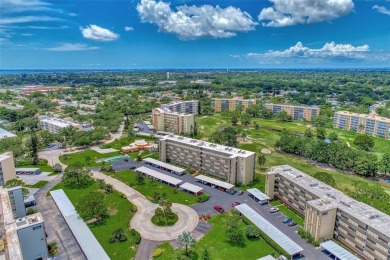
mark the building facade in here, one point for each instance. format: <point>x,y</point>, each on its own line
<point>7,168</point>
<point>183,106</point>
<point>172,122</point>
<point>16,199</point>
<point>331,214</point>
<point>54,125</point>
<point>221,104</point>
<point>228,163</point>
<point>296,112</point>
<point>369,124</point>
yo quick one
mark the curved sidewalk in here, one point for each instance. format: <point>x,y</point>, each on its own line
<point>141,221</point>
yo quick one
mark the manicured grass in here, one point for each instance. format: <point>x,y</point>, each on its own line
<point>150,187</point>
<point>216,243</point>
<point>72,158</point>
<point>123,141</point>
<point>42,167</point>
<point>161,222</point>
<point>288,212</point>
<point>120,212</point>
<point>37,185</point>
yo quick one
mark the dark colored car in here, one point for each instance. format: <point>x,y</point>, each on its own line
<point>292,223</point>
<point>219,208</point>
<point>286,220</point>
<point>240,192</point>
<point>236,203</point>
<point>126,159</point>
<point>232,192</point>
<point>133,168</point>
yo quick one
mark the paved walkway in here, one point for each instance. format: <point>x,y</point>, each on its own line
<point>141,221</point>
<point>145,249</point>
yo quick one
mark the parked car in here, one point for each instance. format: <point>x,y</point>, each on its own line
<point>262,202</point>
<point>219,208</point>
<point>273,210</point>
<point>292,223</point>
<point>126,159</point>
<point>133,168</point>
<point>282,257</point>
<point>240,192</point>
<point>213,186</point>
<point>236,203</point>
<point>286,220</point>
<point>232,192</point>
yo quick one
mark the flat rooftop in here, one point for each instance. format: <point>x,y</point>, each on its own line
<point>338,251</point>
<point>288,105</point>
<point>164,165</point>
<point>4,133</point>
<point>368,215</point>
<point>191,187</point>
<point>258,194</point>
<point>375,117</point>
<point>29,220</point>
<point>4,156</point>
<point>58,122</point>
<point>159,175</point>
<point>233,152</point>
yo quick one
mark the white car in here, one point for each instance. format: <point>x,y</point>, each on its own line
<point>273,210</point>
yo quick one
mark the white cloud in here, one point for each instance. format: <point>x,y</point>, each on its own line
<point>193,22</point>
<point>129,28</point>
<point>381,9</point>
<point>292,12</point>
<point>97,33</point>
<point>72,47</point>
<point>28,19</point>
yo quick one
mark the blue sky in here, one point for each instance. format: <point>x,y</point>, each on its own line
<point>148,34</point>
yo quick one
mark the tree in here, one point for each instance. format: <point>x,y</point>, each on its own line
<point>333,136</point>
<point>205,255</point>
<point>92,206</point>
<point>245,119</point>
<point>118,236</point>
<point>34,147</point>
<point>166,209</point>
<point>186,241</point>
<point>57,167</point>
<point>234,233</point>
<point>320,133</point>
<point>308,133</point>
<point>227,136</point>
<point>138,158</point>
<point>234,120</point>
<point>77,175</point>
<point>364,142</point>
<point>261,159</point>
<point>325,178</point>
<point>140,179</point>
<point>252,232</point>
<point>159,213</point>
<point>384,164</point>
<point>283,117</point>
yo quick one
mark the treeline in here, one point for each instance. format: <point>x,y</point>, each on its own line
<point>335,154</point>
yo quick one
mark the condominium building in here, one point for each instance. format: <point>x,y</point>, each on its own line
<point>362,123</point>
<point>330,213</point>
<point>7,168</point>
<point>16,199</point>
<point>221,104</point>
<point>22,237</point>
<point>172,122</point>
<point>296,112</point>
<point>182,106</point>
<point>54,125</point>
<point>228,163</point>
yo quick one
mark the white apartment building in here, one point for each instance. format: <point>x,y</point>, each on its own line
<point>54,125</point>
<point>7,168</point>
<point>172,122</point>
<point>228,163</point>
<point>182,106</point>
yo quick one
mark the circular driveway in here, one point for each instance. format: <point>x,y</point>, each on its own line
<point>141,221</point>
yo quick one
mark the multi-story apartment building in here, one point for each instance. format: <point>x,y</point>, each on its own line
<point>173,122</point>
<point>182,106</point>
<point>331,214</point>
<point>16,199</point>
<point>54,125</point>
<point>296,112</point>
<point>369,124</point>
<point>221,104</point>
<point>23,237</point>
<point>231,164</point>
<point>7,168</point>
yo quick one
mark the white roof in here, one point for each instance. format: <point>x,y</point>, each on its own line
<point>164,164</point>
<point>4,133</point>
<point>159,175</point>
<point>26,169</point>
<point>270,230</point>
<point>147,123</point>
<point>338,251</point>
<point>216,182</point>
<point>58,122</point>
<point>87,241</point>
<point>267,257</point>
<point>191,187</point>
<point>258,194</point>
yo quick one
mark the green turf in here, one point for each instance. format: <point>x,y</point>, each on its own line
<point>120,213</point>
<point>81,157</point>
<point>215,241</point>
<point>288,212</point>
<point>148,189</point>
<point>37,185</point>
<point>42,168</point>
<point>161,221</point>
<point>123,141</point>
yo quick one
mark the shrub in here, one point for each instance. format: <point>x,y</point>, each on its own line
<point>252,232</point>
<point>31,211</point>
<point>203,197</point>
<point>157,252</point>
<point>136,235</point>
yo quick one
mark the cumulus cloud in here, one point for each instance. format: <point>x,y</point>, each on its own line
<point>193,22</point>
<point>381,9</point>
<point>292,12</point>
<point>97,33</point>
<point>72,47</point>
<point>129,28</point>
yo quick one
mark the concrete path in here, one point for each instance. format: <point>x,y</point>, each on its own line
<point>55,225</point>
<point>141,221</point>
<point>145,249</point>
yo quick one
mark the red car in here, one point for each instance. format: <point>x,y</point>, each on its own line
<point>236,203</point>
<point>219,209</point>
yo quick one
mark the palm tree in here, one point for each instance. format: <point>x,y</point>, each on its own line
<point>159,213</point>
<point>186,241</point>
<point>261,159</point>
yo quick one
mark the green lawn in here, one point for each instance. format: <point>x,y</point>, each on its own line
<point>123,141</point>
<point>219,248</point>
<point>120,213</point>
<point>72,158</point>
<point>42,167</point>
<point>288,212</point>
<point>149,188</point>
<point>37,185</point>
<point>267,136</point>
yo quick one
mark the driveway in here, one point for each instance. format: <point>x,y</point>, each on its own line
<point>141,221</point>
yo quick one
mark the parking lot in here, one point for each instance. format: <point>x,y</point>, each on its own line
<point>225,200</point>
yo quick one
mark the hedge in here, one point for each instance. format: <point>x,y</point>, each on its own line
<point>203,197</point>
<point>267,239</point>
<point>157,252</point>
<point>137,236</point>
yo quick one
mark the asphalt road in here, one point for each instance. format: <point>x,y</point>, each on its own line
<point>225,200</point>
<point>55,225</point>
